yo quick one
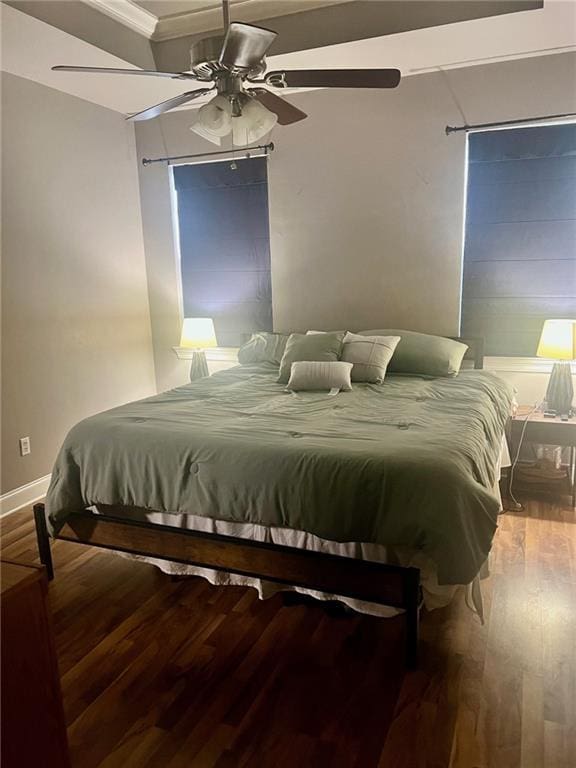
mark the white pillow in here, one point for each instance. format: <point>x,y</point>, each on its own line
<point>369,354</point>
<point>314,376</point>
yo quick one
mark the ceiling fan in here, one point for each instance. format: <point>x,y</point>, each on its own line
<point>235,68</point>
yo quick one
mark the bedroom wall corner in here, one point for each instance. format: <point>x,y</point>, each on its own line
<point>164,292</point>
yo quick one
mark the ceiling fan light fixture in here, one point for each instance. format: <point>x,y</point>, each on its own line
<point>254,123</point>
<point>214,119</point>
<point>204,134</point>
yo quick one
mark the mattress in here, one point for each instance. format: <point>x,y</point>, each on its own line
<point>410,464</point>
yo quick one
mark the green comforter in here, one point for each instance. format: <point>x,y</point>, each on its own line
<point>410,462</point>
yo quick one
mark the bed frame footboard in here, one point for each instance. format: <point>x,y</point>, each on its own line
<point>390,585</point>
<point>43,540</point>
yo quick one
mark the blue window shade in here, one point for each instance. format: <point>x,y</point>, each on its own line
<point>225,246</point>
<point>520,246</point>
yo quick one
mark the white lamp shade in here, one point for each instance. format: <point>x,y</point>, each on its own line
<point>254,123</point>
<point>201,131</point>
<point>214,120</point>
<point>198,333</point>
<point>558,340</point>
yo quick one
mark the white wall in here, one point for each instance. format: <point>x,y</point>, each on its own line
<point>366,199</point>
<point>366,196</point>
<point>75,319</point>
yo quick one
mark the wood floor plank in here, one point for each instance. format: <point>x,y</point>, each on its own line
<point>180,674</point>
<point>532,746</point>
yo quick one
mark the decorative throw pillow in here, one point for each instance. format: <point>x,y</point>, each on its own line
<point>421,353</point>
<point>369,354</point>
<point>263,348</point>
<point>322,348</point>
<point>306,375</point>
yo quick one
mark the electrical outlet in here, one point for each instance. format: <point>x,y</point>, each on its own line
<point>25,446</point>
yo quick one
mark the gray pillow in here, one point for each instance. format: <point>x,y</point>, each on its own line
<point>306,375</point>
<point>263,347</point>
<point>322,348</point>
<point>370,355</point>
<point>422,353</point>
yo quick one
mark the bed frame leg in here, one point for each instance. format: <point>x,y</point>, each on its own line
<point>43,540</point>
<point>412,601</point>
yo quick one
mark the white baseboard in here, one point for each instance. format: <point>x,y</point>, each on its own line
<point>26,494</point>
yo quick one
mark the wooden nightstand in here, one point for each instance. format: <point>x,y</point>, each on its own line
<point>540,429</point>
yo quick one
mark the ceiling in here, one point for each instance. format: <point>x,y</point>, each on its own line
<point>30,47</point>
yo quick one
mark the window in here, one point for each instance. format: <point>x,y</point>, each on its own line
<point>520,240</point>
<point>225,246</point>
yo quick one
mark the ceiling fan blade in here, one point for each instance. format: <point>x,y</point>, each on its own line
<point>113,71</point>
<point>334,78</point>
<point>287,113</point>
<point>165,106</point>
<point>245,45</point>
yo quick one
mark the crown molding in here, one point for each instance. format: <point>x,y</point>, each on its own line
<point>127,13</point>
<point>210,19</point>
<point>195,22</point>
<point>491,60</point>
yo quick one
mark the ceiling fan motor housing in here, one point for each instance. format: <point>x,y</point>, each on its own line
<point>204,60</point>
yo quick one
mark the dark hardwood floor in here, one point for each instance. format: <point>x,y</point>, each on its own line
<point>162,674</point>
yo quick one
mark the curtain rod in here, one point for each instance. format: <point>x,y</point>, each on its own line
<point>243,150</point>
<point>454,129</point>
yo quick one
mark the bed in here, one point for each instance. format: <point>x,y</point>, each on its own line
<point>349,496</point>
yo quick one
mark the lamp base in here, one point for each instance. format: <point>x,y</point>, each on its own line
<point>560,390</point>
<point>199,365</point>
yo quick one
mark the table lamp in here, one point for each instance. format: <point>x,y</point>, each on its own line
<point>197,335</point>
<point>558,342</point>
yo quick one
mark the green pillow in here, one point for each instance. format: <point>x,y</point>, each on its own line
<point>263,347</point>
<point>421,353</point>
<point>321,347</point>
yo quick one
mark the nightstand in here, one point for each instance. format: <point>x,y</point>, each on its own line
<point>540,429</point>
